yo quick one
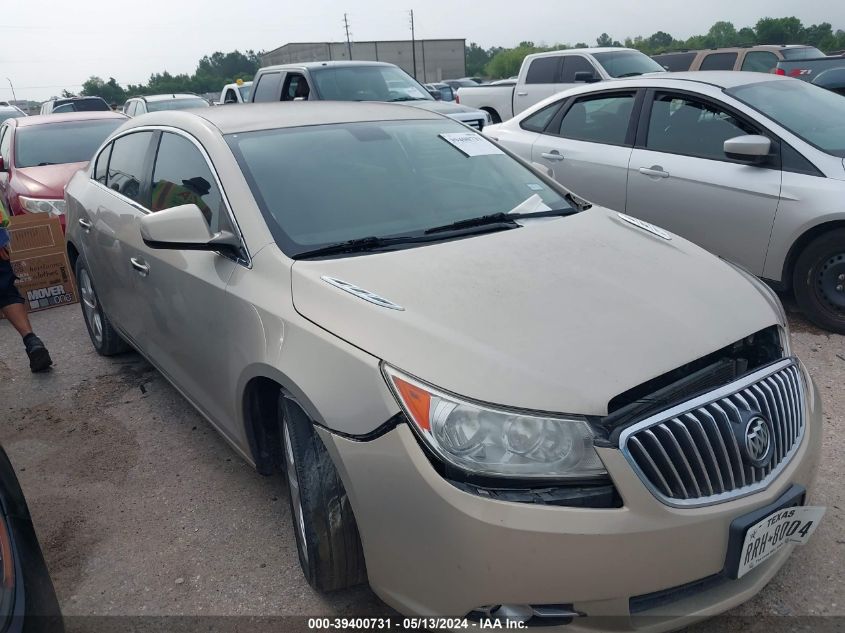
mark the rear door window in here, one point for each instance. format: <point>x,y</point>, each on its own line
<point>575,64</point>
<point>759,61</point>
<point>126,166</point>
<point>267,88</point>
<point>538,121</point>
<point>719,61</point>
<point>543,70</point>
<point>675,62</point>
<point>603,119</point>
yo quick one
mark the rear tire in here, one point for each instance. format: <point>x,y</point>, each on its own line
<point>494,116</point>
<point>327,538</point>
<point>819,281</point>
<point>104,337</point>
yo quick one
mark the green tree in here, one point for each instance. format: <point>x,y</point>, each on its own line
<point>659,42</point>
<point>109,90</point>
<point>476,59</point>
<point>723,34</point>
<point>779,31</point>
<point>507,62</point>
<point>605,40</point>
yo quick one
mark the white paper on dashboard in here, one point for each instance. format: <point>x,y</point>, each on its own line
<point>470,143</point>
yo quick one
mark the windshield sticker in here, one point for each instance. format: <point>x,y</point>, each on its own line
<point>470,144</point>
<point>533,186</point>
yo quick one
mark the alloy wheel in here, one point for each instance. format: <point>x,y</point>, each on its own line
<point>91,306</point>
<point>293,487</point>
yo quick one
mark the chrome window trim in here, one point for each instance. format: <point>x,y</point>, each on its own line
<point>712,397</point>
<point>246,263</point>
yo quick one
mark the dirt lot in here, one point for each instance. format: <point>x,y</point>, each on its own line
<point>142,509</point>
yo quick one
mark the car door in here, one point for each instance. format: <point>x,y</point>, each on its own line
<point>680,178</point>
<point>588,145</point>
<point>111,238</point>
<point>184,291</point>
<point>541,81</point>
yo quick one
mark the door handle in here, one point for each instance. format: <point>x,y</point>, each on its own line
<point>521,94</point>
<point>85,224</point>
<point>553,155</point>
<point>142,268</point>
<point>655,171</point>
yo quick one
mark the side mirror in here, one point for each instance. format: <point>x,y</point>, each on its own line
<point>586,76</point>
<point>751,148</point>
<point>184,228</point>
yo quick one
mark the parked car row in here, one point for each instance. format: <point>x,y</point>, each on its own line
<point>802,62</point>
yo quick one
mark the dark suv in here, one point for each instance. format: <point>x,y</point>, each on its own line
<point>75,104</point>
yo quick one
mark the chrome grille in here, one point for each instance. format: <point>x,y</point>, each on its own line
<point>695,453</point>
<point>478,124</point>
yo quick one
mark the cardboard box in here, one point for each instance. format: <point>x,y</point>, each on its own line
<point>39,259</point>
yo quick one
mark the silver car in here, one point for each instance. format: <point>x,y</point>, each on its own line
<point>488,401</point>
<point>748,165</point>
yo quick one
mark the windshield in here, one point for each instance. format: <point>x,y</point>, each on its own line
<point>244,90</point>
<point>367,83</point>
<point>176,104</point>
<point>815,114</point>
<point>57,143</point>
<point>804,52</point>
<point>627,63</point>
<point>405,178</point>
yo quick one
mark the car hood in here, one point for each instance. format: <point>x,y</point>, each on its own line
<point>441,107</point>
<point>47,181</point>
<point>560,315</point>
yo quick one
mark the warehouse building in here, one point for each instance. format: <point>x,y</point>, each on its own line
<point>435,59</point>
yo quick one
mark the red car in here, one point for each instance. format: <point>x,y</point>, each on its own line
<point>39,154</point>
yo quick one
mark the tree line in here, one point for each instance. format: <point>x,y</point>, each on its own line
<point>498,62</point>
<point>212,73</point>
<point>216,70</point>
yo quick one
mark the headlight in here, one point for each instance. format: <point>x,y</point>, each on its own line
<point>488,441</point>
<point>43,205</point>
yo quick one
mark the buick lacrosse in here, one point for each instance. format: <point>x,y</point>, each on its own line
<point>488,399</point>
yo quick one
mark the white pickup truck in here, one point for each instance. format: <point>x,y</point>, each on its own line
<point>235,93</point>
<point>544,74</point>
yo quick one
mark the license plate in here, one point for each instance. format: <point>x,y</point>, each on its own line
<point>768,536</point>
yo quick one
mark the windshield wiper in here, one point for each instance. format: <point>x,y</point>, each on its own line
<point>44,164</point>
<point>407,99</point>
<point>499,218</point>
<point>633,74</point>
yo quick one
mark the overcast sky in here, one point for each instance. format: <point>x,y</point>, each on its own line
<point>53,44</point>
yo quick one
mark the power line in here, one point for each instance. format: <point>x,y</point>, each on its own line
<point>348,40</point>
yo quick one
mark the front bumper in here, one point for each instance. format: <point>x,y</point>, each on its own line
<point>432,549</point>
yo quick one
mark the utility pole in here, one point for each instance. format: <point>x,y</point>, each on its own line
<point>413,44</point>
<point>348,40</point>
<point>13,89</point>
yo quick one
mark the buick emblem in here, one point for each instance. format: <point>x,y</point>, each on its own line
<point>758,442</point>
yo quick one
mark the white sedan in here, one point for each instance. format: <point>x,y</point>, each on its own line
<point>748,165</point>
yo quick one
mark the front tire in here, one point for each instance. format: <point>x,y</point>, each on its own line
<point>819,281</point>
<point>327,538</point>
<point>104,337</point>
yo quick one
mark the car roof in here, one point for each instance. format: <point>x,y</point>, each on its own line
<point>66,117</point>
<point>719,78</point>
<point>589,51</point>
<point>165,97</point>
<point>249,117</point>
<point>332,64</point>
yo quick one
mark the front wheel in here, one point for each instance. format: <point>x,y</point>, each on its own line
<point>327,539</point>
<point>819,281</point>
<point>104,337</point>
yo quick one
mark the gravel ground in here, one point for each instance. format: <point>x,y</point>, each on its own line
<point>142,509</point>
